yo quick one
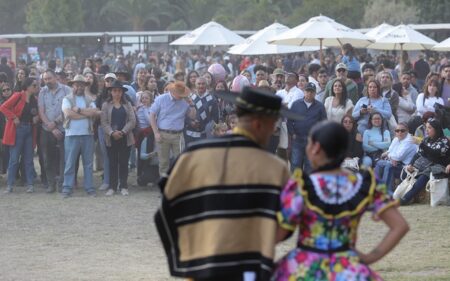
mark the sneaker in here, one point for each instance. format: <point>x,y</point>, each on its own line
<point>66,195</point>
<point>110,192</point>
<point>8,189</point>
<point>50,189</point>
<point>124,191</point>
<point>92,194</point>
<point>30,189</point>
<point>104,186</point>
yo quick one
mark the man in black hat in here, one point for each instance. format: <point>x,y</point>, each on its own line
<point>217,219</point>
<point>313,112</point>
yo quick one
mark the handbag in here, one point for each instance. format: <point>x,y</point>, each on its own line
<point>351,164</point>
<point>422,163</point>
<point>438,189</point>
<point>406,184</point>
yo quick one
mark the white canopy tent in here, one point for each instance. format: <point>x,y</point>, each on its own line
<point>257,43</point>
<point>209,34</point>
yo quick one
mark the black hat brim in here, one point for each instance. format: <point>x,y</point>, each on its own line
<point>232,97</point>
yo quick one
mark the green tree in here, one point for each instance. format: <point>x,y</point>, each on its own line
<point>431,11</point>
<point>379,11</point>
<point>54,16</point>
<point>12,16</point>
<point>139,15</point>
<point>347,12</point>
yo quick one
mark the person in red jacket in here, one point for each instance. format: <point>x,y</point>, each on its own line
<point>21,113</point>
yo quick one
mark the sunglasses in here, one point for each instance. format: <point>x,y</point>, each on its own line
<point>6,90</point>
<point>400,130</point>
<point>341,70</point>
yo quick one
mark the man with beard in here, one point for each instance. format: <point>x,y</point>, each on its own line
<point>207,109</point>
<point>79,113</point>
<point>52,133</point>
<point>386,81</point>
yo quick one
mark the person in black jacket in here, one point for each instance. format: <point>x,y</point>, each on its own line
<point>433,157</point>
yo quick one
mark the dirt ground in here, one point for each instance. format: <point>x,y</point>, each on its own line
<point>45,237</point>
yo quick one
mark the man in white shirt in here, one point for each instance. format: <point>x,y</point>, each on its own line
<point>313,70</point>
<point>291,92</point>
<point>289,95</point>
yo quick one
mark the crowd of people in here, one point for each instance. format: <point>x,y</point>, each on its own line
<point>121,114</point>
<point>169,101</point>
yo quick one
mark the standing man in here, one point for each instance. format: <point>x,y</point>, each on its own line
<point>313,112</point>
<point>52,134</point>
<point>167,116</point>
<point>79,114</point>
<point>386,81</point>
<point>323,80</point>
<point>278,79</point>
<point>445,84</point>
<point>218,220</point>
<point>422,68</point>
<point>313,70</point>
<point>207,109</point>
<point>405,85</point>
<point>4,67</point>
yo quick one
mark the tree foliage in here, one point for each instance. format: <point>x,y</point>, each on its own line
<point>54,16</point>
<point>17,16</point>
<point>379,11</point>
<point>347,12</point>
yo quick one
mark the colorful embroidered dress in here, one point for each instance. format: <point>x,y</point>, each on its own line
<point>328,208</point>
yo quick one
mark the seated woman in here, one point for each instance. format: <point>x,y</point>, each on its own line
<point>338,104</point>
<point>433,157</point>
<point>354,148</point>
<point>376,139</point>
<point>400,152</point>
<point>430,96</point>
<point>327,206</point>
<point>374,102</point>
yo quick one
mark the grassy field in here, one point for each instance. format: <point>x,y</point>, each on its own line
<point>45,237</point>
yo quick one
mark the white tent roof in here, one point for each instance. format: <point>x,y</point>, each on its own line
<point>209,34</point>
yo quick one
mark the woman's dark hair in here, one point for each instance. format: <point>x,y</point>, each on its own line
<point>188,76</point>
<point>426,93</point>
<point>348,50</point>
<point>212,84</point>
<point>437,127</point>
<point>373,80</point>
<point>427,115</point>
<point>344,97</point>
<point>223,83</point>
<point>333,138</point>
<point>27,82</point>
<point>123,98</point>
<point>370,126</point>
<point>94,87</point>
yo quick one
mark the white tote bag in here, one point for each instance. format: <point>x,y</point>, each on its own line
<point>438,189</point>
<point>406,184</point>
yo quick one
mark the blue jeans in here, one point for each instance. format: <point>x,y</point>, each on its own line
<point>73,146</point>
<point>101,141</point>
<point>23,147</point>
<point>386,173</point>
<point>298,156</point>
<point>420,184</point>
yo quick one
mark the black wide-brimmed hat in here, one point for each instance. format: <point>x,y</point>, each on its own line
<point>117,84</point>
<point>258,101</point>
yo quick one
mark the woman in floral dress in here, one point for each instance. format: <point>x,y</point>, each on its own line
<point>328,205</point>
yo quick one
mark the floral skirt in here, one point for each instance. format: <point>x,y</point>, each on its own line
<point>301,265</point>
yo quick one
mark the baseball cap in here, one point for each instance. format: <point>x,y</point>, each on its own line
<point>310,86</point>
<point>341,66</point>
<point>110,75</point>
<point>278,71</point>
